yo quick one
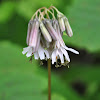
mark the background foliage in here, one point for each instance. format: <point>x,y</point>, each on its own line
<point>22,80</point>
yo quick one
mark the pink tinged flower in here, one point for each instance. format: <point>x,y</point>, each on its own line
<point>38,42</point>
<point>65,54</point>
<point>45,33</point>
<point>41,53</point>
<point>61,22</point>
<point>68,28</point>
<point>44,43</point>
<point>53,56</point>
<point>25,50</point>
<point>44,39</point>
<point>51,30</point>
<point>36,55</point>
<point>59,33</point>
<point>56,27</point>
<point>34,33</point>
<point>29,31</point>
<point>60,54</point>
<point>28,50</point>
<point>72,50</point>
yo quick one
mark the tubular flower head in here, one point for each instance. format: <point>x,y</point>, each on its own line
<point>59,33</point>
<point>68,28</point>
<point>56,27</point>
<point>34,33</point>
<point>29,31</point>
<point>44,37</point>
<point>61,22</point>
<point>59,53</point>
<point>42,53</point>
<point>51,30</point>
<point>45,32</point>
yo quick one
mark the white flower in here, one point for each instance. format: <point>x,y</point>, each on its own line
<point>40,54</point>
<point>61,53</point>
<point>28,50</point>
<point>44,37</point>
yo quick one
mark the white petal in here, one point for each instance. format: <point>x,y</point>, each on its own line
<point>61,56</point>
<point>25,50</point>
<point>53,56</point>
<point>47,54</point>
<point>57,44</point>
<point>72,50</point>
<point>29,52</point>
<point>41,53</point>
<point>61,41</point>
<point>66,54</point>
<point>36,56</point>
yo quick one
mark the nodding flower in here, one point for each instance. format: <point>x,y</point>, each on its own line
<point>44,37</point>
<point>68,28</point>
<point>61,22</point>
<point>33,32</point>
<point>51,30</point>
<point>45,32</point>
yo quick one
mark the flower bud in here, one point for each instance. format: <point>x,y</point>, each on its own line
<point>38,42</point>
<point>44,43</point>
<point>61,22</point>
<point>29,31</point>
<point>34,33</point>
<point>57,29</point>
<point>45,32</point>
<point>51,30</point>
<point>68,28</point>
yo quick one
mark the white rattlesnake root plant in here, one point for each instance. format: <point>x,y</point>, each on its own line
<point>44,36</point>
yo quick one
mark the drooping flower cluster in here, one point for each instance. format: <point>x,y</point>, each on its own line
<point>44,36</point>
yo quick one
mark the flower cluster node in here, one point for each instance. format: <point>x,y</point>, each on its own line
<point>44,36</point>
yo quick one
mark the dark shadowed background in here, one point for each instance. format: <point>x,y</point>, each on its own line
<point>22,80</point>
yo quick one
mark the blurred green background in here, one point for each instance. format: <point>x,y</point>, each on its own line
<point>22,80</point>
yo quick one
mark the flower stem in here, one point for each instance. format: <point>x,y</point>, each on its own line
<point>49,79</point>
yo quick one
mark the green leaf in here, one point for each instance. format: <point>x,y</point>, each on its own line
<point>21,80</point>
<point>62,88</point>
<point>18,80</point>
<point>59,86</point>
<point>6,11</point>
<point>84,17</point>
<point>57,97</point>
<point>86,73</point>
<point>27,8</point>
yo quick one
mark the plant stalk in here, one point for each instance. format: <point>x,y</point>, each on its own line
<point>49,79</point>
